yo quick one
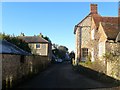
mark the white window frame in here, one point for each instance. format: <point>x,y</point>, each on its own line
<point>92,55</point>
<point>93,34</point>
<point>101,48</point>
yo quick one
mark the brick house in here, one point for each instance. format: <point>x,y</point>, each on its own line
<point>38,45</point>
<point>96,35</point>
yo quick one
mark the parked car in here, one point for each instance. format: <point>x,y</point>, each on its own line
<point>56,59</point>
<point>59,60</point>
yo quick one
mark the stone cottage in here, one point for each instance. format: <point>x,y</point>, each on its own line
<point>38,45</point>
<point>96,35</point>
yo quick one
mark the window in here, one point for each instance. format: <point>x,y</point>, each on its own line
<point>37,45</point>
<point>92,55</point>
<point>92,34</point>
<point>84,52</point>
<point>101,48</point>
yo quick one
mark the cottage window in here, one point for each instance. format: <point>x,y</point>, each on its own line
<point>84,52</point>
<point>101,48</point>
<point>92,55</point>
<point>92,34</point>
<point>37,45</point>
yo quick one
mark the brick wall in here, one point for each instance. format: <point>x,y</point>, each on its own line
<point>16,68</point>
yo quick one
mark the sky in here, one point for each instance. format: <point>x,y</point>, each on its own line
<point>53,19</point>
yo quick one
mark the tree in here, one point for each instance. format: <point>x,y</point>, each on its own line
<point>63,48</point>
<point>55,45</point>
<point>40,35</point>
<point>22,34</point>
<point>45,37</point>
<point>15,40</point>
<point>62,51</point>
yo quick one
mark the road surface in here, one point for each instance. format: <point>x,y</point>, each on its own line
<point>62,76</point>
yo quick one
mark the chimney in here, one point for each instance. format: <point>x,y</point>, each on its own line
<point>93,8</point>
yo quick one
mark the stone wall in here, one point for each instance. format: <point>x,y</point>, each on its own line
<point>78,44</point>
<point>16,68</point>
<point>113,68</point>
<point>83,37</point>
<point>113,47</point>
<point>113,64</point>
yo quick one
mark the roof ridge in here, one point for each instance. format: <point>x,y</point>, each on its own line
<point>108,23</point>
<point>33,39</point>
<point>110,16</point>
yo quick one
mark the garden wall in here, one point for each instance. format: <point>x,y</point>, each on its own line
<point>16,68</point>
<point>113,68</point>
<point>113,60</point>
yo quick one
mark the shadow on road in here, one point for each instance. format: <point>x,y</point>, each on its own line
<point>64,75</point>
<point>101,77</point>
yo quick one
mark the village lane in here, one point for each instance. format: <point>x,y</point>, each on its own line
<point>62,75</point>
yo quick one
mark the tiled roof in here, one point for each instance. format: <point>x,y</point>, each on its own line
<point>111,30</point>
<point>33,39</point>
<point>98,19</point>
<point>110,25</point>
<point>113,20</point>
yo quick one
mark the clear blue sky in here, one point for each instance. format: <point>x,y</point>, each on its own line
<point>55,20</point>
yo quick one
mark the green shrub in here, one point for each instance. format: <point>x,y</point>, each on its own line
<point>15,40</point>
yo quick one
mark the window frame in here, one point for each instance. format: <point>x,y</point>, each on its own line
<point>84,52</point>
<point>93,34</point>
<point>101,49</point>
<point>37,47</point>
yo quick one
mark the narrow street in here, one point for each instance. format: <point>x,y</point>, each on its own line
<point>62,76</point>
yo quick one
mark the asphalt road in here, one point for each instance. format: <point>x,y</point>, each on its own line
<point>62,76</point>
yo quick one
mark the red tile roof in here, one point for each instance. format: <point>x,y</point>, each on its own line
<point>111,30</point>
<point>33,39</point>
<point>98,19</point>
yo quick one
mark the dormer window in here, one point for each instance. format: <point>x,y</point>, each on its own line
<point>92,34</point>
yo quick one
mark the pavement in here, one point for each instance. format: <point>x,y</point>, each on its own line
<point>62,75</point>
